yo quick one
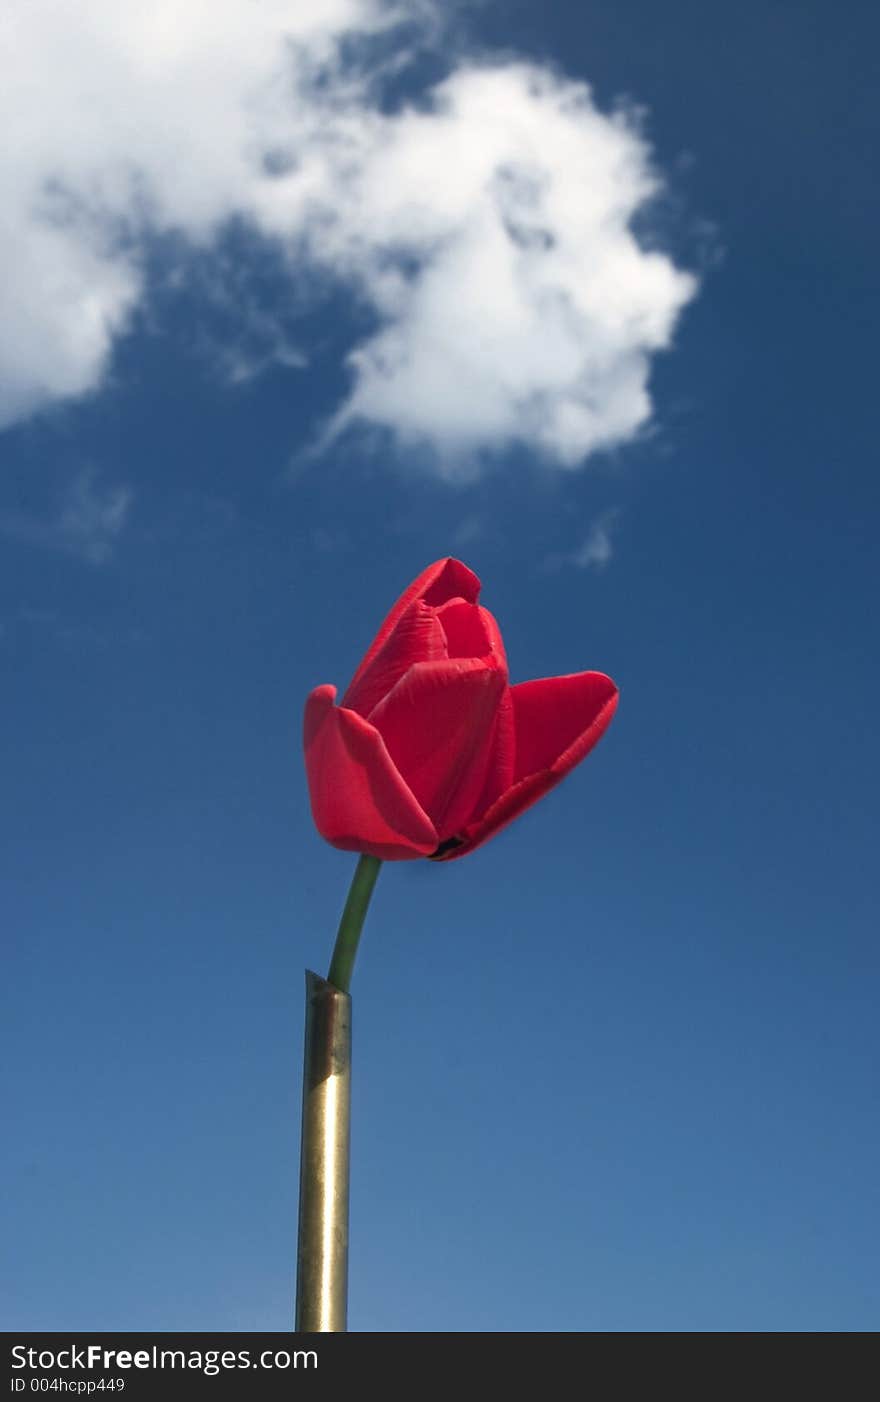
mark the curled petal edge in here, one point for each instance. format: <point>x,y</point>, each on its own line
<point>444,580</point>
<point>360,803</point>
<point>532,787</point>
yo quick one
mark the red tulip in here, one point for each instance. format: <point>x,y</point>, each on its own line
<point>432,751</point>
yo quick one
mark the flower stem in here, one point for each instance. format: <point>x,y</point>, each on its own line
<point>352,922</point>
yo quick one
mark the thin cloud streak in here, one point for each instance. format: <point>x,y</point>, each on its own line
<point>595,552</point>
<point>597,549</point>
<point>85,521</point>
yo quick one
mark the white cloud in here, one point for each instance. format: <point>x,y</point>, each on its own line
<point>598,548</point>
<point>85,520</point>
<point>533,312</point>
<point>489,228</point>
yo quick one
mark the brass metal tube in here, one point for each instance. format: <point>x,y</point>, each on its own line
<point>322,1251</point>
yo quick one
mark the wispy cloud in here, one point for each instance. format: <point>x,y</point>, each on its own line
<point>240,364</point>
<point>595,551</point>
<point>489,227</point>
<point>234,319</point>
<point>85,519</point>
<point>469,529</point>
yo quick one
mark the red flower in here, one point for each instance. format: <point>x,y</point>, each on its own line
<point>431,751</point>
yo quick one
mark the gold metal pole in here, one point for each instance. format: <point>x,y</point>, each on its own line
<point>322,1254</point>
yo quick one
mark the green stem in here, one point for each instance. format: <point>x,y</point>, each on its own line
<point>352,922</point>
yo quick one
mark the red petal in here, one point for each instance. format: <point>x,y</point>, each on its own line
<point>503,755</point>
<point>471,631</point>
<point>557,721</point>
<point>359,801</point>
<point>493,632</point>
<point>416,637</point>
<point>444,580</point>
<point>437,724</point>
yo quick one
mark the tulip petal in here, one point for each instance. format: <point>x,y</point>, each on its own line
<point>493,632</point>
<point>471,631</point>
<point>416,637</point>
<point>437,724</point>
<point>499,777</point>
<point>557,721</point>
<point>359,800</point>
<point>444,580</point>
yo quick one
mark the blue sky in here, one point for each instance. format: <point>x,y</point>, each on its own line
<point>616,1070</point>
